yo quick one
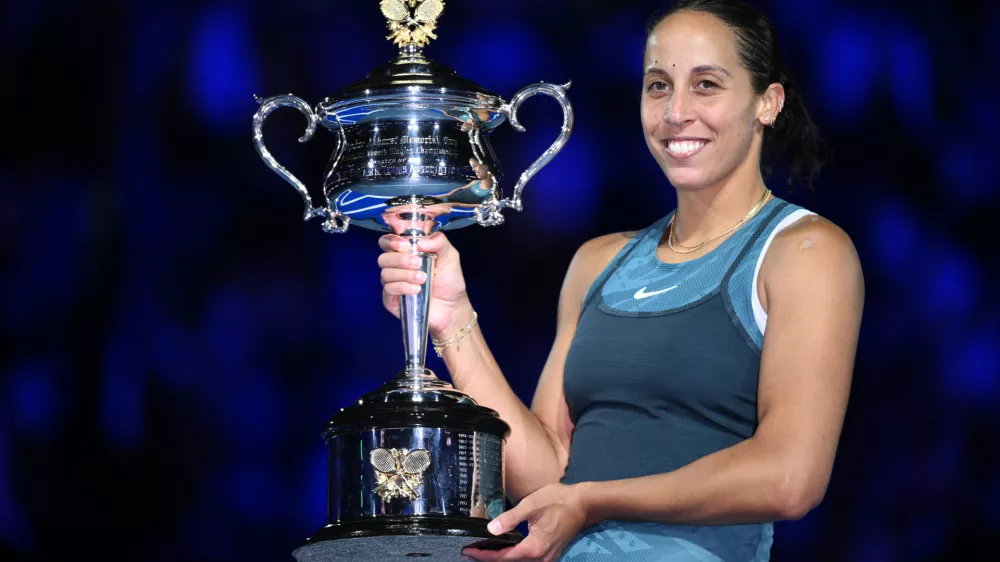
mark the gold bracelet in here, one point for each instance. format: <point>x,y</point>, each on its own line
<point>441,345</point>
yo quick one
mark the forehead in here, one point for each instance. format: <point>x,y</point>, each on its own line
<point>687,39</point>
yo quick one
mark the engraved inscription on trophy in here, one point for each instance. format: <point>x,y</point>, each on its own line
<point>412,156</point>
<point>381,155</point>
<point>399,472</point>
<point>412,127</point>
<point>465,460</point>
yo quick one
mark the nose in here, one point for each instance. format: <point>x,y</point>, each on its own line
<point>678,111</point>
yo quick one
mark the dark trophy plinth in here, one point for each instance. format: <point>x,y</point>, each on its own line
<point>414,470</point>
<point>416,467</point>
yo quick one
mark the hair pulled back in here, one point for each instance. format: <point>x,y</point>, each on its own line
<point>794,132</point>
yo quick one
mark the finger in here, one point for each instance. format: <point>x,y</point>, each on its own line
<point>508,520</point>
<point>401,289</point>
<point>403,275</point>
<point>385,241</point>
<point>438,244</point>
<point>397,260</point>
<point>531,548</point>
<point>391,302</point>
<point>394,243</point>
<point>480,555</point>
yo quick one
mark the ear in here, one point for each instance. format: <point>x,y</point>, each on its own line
<point>771,103</point>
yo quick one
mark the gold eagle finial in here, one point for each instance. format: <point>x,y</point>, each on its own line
<point>412,22</point>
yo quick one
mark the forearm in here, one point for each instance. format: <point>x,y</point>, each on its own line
<point>745,483</point>
<point>533,457</point>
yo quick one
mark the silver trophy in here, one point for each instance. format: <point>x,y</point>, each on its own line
<point>415,467</point>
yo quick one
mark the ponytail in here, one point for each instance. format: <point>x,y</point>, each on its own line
<point>794,133</point>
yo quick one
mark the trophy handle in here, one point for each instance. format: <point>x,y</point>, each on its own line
<point>559,94</point>
<point>335,221</point>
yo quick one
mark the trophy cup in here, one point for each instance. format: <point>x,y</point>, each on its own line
<point>415,467</point>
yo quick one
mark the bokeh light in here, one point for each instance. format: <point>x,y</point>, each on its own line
<point>174,337</point>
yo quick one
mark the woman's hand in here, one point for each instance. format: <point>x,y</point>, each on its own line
<point>555,514</point>
<point>450,309</point>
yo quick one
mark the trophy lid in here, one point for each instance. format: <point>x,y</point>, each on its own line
<point>411,24</point>
<point>411,71</point>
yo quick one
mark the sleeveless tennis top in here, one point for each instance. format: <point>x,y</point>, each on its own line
<point>662,371</point>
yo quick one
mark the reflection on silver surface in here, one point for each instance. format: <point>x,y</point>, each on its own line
<point>463,475</point>
<point>414,311</point>
<point>559,94</point>
<point>489,214</point>
<point>432,168</point>
<point>424,148</point>
<point>336,222</point>
<point>417,386</point>
<point>412,156</point>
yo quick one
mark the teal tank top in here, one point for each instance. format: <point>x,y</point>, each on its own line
<point>662,371</point>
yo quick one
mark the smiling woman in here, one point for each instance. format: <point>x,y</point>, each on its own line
<point>698,381</point>
<point>739,39</point>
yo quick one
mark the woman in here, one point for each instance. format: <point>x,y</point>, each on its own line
<point>701,368</point>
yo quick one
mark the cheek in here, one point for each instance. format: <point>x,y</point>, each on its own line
<point>647,122</point>
<point>651,114</point>
<point>732,128</point>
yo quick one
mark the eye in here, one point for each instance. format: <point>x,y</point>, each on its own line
<point>706,85</point>
<point>657,86</point>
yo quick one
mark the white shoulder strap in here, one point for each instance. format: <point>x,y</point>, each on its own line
<point>759,315</point>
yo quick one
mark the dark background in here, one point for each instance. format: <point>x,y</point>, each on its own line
<point>173,336</point>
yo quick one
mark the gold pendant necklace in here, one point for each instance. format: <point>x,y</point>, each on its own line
<point>674,245</point>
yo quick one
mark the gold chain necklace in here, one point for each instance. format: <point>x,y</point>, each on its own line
<point>690,249</point>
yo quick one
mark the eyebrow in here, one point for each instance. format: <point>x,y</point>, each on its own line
<point>711,68</point>
<point>695,70</point>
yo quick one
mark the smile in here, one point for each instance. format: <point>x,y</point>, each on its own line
<point>684,148</point>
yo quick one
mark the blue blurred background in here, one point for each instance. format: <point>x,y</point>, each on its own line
<point>173,336</point>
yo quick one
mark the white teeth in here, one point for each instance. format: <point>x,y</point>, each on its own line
<point>684,147</point>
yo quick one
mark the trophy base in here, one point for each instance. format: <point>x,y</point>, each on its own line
<point>400,538</point>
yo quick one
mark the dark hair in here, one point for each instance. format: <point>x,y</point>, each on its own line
<point>757,48</point>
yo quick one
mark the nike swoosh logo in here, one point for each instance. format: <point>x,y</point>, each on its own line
<point>642,294</point>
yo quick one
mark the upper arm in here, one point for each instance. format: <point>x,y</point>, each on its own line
<point>814,293</point>
<point>549,402</point>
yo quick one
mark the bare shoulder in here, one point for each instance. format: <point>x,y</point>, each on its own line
<point>595,254</point>
<point>603,248</point>
<point>812,250</point>
<point>590,259</point>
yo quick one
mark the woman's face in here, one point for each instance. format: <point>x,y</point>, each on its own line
<point>699,111</point>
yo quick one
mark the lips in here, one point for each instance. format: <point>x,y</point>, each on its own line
<point>683,148</point>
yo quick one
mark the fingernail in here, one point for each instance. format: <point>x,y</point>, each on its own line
<point>421,277</point>
<point>416,261</point>
<point>494,527</point>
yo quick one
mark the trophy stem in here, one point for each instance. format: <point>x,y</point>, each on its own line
<point>410,51</point>
<point>413,314</point>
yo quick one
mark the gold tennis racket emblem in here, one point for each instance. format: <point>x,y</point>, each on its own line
<point>399,472</point>
<point>412,22</point>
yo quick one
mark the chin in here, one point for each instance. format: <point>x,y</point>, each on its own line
<point>686,178</point>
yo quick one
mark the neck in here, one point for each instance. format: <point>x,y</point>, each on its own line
<point>707,211</point>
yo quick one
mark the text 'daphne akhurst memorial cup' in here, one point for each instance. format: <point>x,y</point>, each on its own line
<point>415,468</point>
